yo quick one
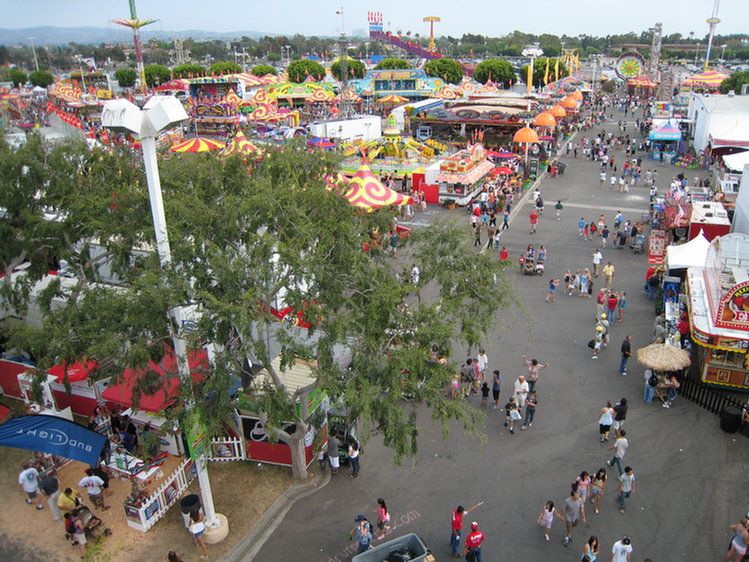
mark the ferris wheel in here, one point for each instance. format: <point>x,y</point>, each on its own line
<point>629,65</point>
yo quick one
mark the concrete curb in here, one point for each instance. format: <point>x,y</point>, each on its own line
<point>246,549</point>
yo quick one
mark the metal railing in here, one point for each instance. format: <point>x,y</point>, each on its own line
<point>712,399</point>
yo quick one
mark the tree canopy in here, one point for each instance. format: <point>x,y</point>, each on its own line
<point>300,70</point>
<point>391,63</point>
<point>188,70</point>
<point>126,77</point>
<point>157,74</point>
<point>241,245</point>
<point>447,69</point>
<point>496,70</point>
<point>41,78</point>
<point>355,69</point>
<point>734,82</point>
<point>18,77</point>
<point>218,68</point>
<point>263,69</point>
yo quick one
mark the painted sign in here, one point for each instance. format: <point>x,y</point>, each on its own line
<point>733,309</point>
<point>196,436</point>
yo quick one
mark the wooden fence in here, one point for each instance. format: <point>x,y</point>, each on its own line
<point>227,449</point>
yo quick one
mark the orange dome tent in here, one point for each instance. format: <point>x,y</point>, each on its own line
<point>577,94</point>
<point>558,111</point>
<point>569,103</point>
<point>544,119</point>
<point>525,135</point>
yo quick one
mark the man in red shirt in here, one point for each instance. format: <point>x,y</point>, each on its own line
<point>533,220</point>
<point>504,254</point>
<point>457,527</point>
<point>473,544</point>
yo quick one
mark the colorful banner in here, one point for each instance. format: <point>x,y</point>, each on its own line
<point>657,247</point>
<point>53,435</point>
<point>196,436</point>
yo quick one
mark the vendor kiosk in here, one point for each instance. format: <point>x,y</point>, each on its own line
<point>259,445</point>
<point>462,174</point>
<point>718,300</point>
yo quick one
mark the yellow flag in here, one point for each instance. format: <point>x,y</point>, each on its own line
<point>556,70</point>
<point>529,80</point>
<point>546,74</point>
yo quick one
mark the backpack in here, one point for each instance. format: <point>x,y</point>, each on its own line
<point>653,380</point>
<point>70,526</point>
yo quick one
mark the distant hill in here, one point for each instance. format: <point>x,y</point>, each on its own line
<point>48,35</point>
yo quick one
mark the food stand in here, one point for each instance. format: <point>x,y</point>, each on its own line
<point>462,174</point>
<point>718,304</point>
<point>259,445</point>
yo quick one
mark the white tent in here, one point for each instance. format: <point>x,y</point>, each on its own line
<point>691,254</point>
<point>736,162</point>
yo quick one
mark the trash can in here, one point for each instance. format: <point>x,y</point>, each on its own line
<point>730,419</point>
<point>186,504</point>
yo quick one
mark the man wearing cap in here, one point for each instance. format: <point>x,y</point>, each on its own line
<point>363,532</point>
<point>622,550</point>
<point>473,543</point>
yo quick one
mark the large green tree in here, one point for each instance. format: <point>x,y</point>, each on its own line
<point>242,244</point>
<point>263,69</point>
<point>447,69</point>
<point>734,82</point>
<point>157,74</point>
<point>218,68</point>
<point>188,70</point>
<point>126,77</point>
<point>355,69</point>
<point>41,78</point>
<point>18,77</point>
<point>496,70</point>
<point>391,64</point>
<point>300,70</point>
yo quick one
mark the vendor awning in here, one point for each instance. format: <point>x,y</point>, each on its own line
<point>468,178</point>
<point>667,132</point>
<point>168,387</point>
<point>76,372</point>
<point>741,142</point>
<point>691,254</point>
<point>736,162</point>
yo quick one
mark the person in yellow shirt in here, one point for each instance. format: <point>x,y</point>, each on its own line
<point>608,274</point>
<point>68,501</point>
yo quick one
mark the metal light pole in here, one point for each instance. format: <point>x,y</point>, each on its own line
<point>159,114</point>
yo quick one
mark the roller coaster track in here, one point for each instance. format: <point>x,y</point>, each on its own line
<point>413,49</point>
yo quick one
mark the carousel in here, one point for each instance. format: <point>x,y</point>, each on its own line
<point>393,154</point>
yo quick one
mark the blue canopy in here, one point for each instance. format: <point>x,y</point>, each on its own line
<point>668,132</point>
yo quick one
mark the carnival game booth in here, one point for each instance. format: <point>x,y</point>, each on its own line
<point>462,175</point>
<point>665,137</point>
<point>718,305</point>
<point>259,446</point>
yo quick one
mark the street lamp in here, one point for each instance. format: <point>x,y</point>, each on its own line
<point>723,53</point>
<point>159,114</point>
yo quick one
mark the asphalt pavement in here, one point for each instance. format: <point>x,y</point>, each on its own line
<point>691,478</point>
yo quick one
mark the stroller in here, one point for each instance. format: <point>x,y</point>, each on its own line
<point>529,266</point>
<point>638,244</point>
<point>93,526</point>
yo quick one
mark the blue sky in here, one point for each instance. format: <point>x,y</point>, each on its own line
<point>318,17</point>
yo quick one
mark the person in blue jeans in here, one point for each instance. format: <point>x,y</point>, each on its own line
<point>649,391</point>
<point>456,529</point>
<point>626,354</point>
<point>530,409</point>
<point>620,447</point>
<point>626,486</point>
